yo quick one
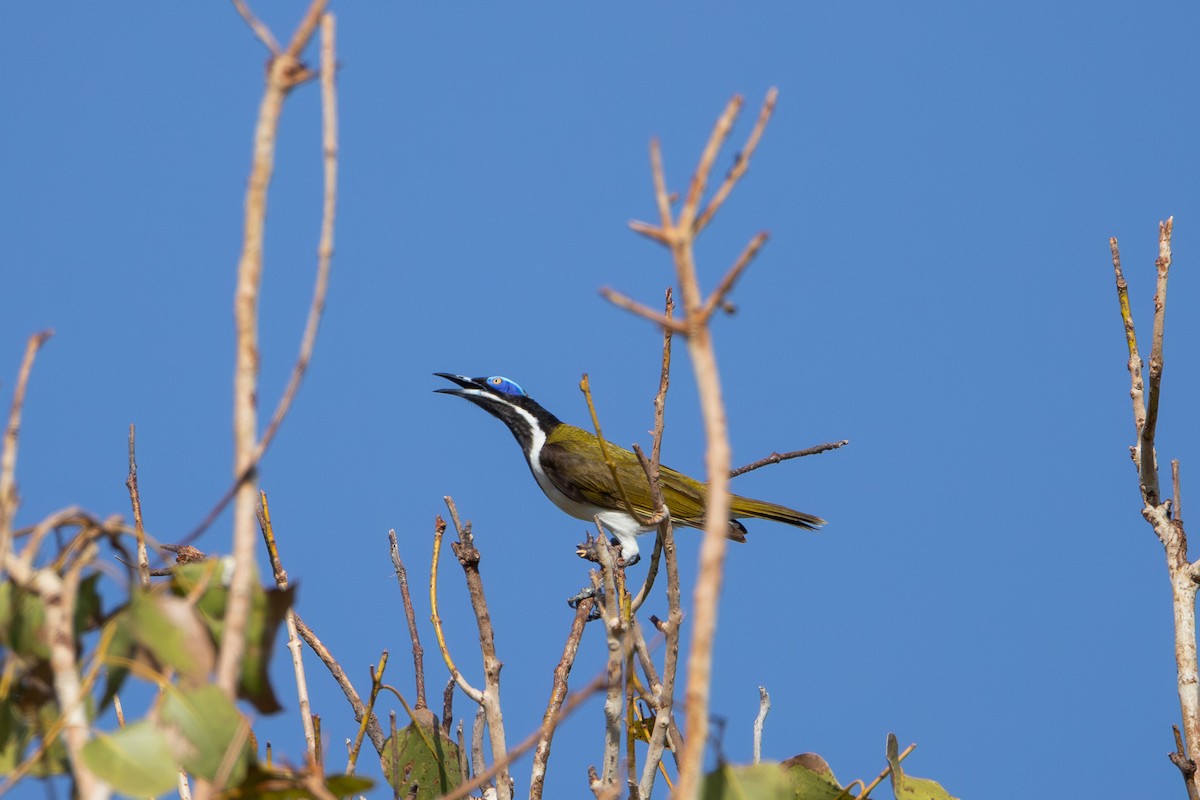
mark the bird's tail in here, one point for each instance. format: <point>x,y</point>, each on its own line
<point>760,509</point>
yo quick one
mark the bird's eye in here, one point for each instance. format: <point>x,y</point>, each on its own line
<point>505,386</point>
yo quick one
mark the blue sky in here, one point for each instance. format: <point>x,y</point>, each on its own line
<point>939,182</point>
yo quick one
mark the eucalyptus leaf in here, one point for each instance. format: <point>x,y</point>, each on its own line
<point>906,787</point>
<point>766,781</point>
<point>206,733</point>
<point>135,760</point>
<point>423,756</point>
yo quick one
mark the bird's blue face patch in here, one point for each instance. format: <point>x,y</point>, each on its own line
<point>505,386</point>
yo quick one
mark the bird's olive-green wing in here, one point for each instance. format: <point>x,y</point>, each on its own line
<point>575,452</point>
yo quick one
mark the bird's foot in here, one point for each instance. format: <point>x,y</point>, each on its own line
<point>588,593</point>
<point>589,551</point>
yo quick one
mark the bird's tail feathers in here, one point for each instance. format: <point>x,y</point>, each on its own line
<point>760,509</point>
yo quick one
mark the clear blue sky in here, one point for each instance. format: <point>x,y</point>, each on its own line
<point>939,184</point>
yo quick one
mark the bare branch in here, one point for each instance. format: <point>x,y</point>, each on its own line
<point>629,304</point>
<point>741,162</point>
<point>8,458</point>
<point>764,707</point>
<point>439,530</point>
<point>369,716</point>
<point>687,215</point>
<point>282,76</point>
<point>311,740</point>
<point>483,776</point>
<point>726,285</point>
<point>324,256</point>
<point>260,30</point>
<point>585,387</point>
<point>329,132</point>
<point>468,557</point>
<point>374,729</point>
<point>143,558</point>
<point>410,615</point>
<point>1158,512</point>
<point>558,693</point>
<point>775,458</point>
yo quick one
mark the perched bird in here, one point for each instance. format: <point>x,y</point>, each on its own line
<point>567,463</point>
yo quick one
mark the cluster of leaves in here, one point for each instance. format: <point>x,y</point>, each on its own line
<point>168,635</point>
<point>809,777</point>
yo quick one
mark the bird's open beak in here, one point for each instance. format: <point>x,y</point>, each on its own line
<point>462,380</point>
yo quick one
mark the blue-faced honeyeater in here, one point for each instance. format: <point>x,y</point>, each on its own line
<point>568,465</point>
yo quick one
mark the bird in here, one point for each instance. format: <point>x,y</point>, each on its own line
<point>569,467</point>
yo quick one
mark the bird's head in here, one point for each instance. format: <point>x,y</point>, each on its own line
<point>506,400</point>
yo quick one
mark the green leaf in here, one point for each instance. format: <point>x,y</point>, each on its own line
<point>88,610</point>
<point>906,787</point>
<point>423,756</point>
<point>24,716</point>
<point>22,621</point>
<point>267,610</point>
<point>135,760</point>
<point>766,781</point>
<point>811,777</point>
<point>204,727</point>
<point>122,645</point>
<point>275,783</point>
<point>173,632</point>
<point>346,785</point>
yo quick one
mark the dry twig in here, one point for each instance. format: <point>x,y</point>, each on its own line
<point>410,615</point>
<point>468,556</point>
<point>284,74</point>
<point>361,711</point>
<point>135,498</point>
<point>8,458</point>
<point>311,740</point>
<point>558,693</point>
<point>775,458</point>
<point>678,232</point>
<point>1161,515</point>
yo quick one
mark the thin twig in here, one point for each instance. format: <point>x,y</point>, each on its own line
<point>585,387</point>
<point>652,467</point>
<point>469,558</point>
<point>410,615</point>
<point>866,792</point>
<point>1186,766</point>
<point>1158,512</point>
<point>741,162</point>
<point>376,686</point>
<point>283,75</point>
<point>8,458</point>
<point>685,221</point>
<point>59,595</point>
<point>329,146</point>
<point>260,30</point>
<point>664,692</point>
<point>614,632</point>
<point>131,483</point>
<point>558,693</point>
<point>439,529</point>
<point>775,458</point>
<point>286,73</point>
<point>374,730</point>
<point>717,298</point>
<point>679,233</point>
<point>311,740</point>
<point>764,707</point>
<point>629,304</point>
<point>573,702</point>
